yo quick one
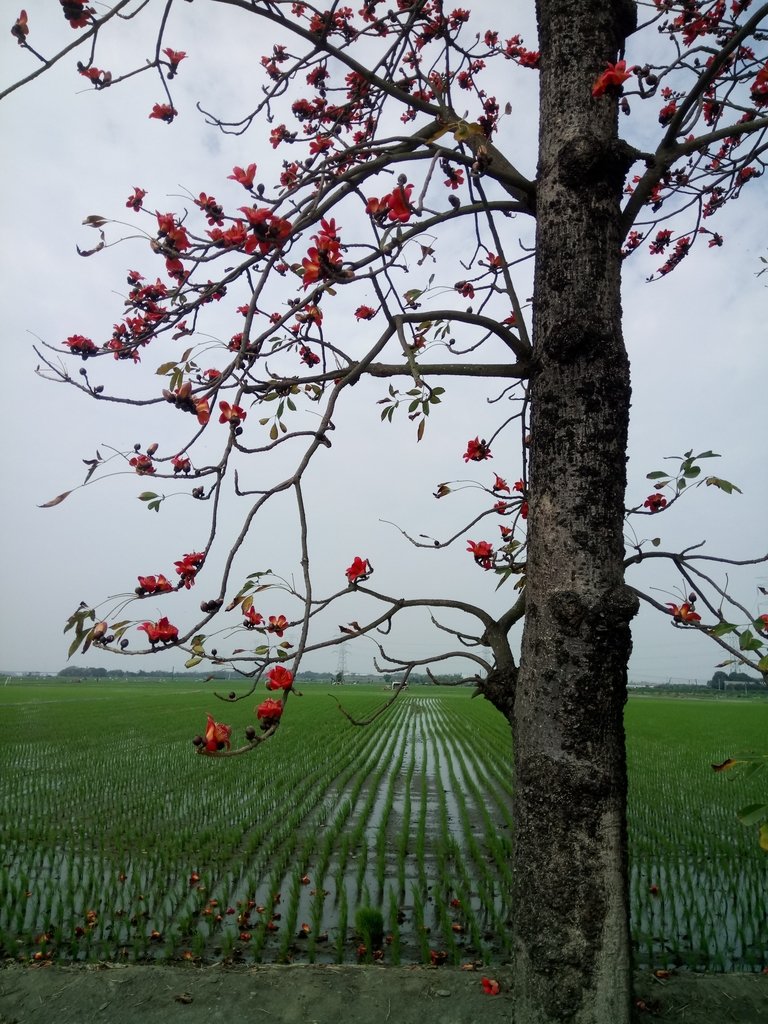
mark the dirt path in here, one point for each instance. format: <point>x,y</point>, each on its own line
<point>117,994</point>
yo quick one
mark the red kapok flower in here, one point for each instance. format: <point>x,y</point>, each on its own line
<point>277,624</point>
<point>76,12</point>
<point>399,202</point>
<point>142,464</point>
<point>683,612</point>
<point>20,29</point>
<point>214,212</point>
<point>365,313</point>
<point>655,502</point>
<point>252,618</point>
<point>101,79</point>
<point>377,208</point>
<point>612,78</point>
<point>320,144</point>
<point>202,410</point>
<point>269,711</point>
<point>244,176</point>
<point>188,566</point>
<point>231,414</point>
<point>323,260</point>
<point>217,735</point>
<point>153,585</point>
<point>359,571</point>
<point>175,57</point>
<point>482,552</point>
<point>163,112</point>
<point>477,451</point>
<point>160,632</point>
<point>491,987</point>
<point>500,485</point>
<point>308,357</point>
<point>135,201</point>
<point>80,346</point>
<point>279,678</point>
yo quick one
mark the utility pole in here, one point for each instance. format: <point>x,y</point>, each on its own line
<point>341,667</point>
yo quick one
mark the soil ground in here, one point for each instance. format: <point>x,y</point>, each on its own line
<point>302,994</point>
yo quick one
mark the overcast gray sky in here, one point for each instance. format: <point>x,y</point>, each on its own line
<point>697,342</point>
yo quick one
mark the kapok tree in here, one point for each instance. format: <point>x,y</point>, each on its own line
<point>386,125</point>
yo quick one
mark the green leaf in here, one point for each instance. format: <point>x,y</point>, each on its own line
<point>78,618</point>
<point>656,541</point>
<point>692,471</point>
<point>752,813</point>
<point>708,455</point>
<point>79,638</point>
<point>724,485</point>
<point>165,368</point>
<point>656,475</point>
<point>722,629</point>
<point>748,642</point>
<point>762,665</point>
<point>147,496</point>
<point>154,506</point>
<point>273,432</point>
<point>681,484</point>
<point>505,574</point>
<point>420,431</point>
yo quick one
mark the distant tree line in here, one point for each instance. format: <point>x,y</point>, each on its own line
<point>740,681</point>
<point>87,672</point>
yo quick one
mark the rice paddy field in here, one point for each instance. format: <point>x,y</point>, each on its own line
<point>333,843</point>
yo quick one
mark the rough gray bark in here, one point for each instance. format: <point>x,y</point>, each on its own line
<point>572,936</point>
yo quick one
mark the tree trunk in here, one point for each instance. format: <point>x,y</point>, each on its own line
<point>572,956</point>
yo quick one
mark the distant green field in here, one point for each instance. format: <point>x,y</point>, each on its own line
<point>117,841</point>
